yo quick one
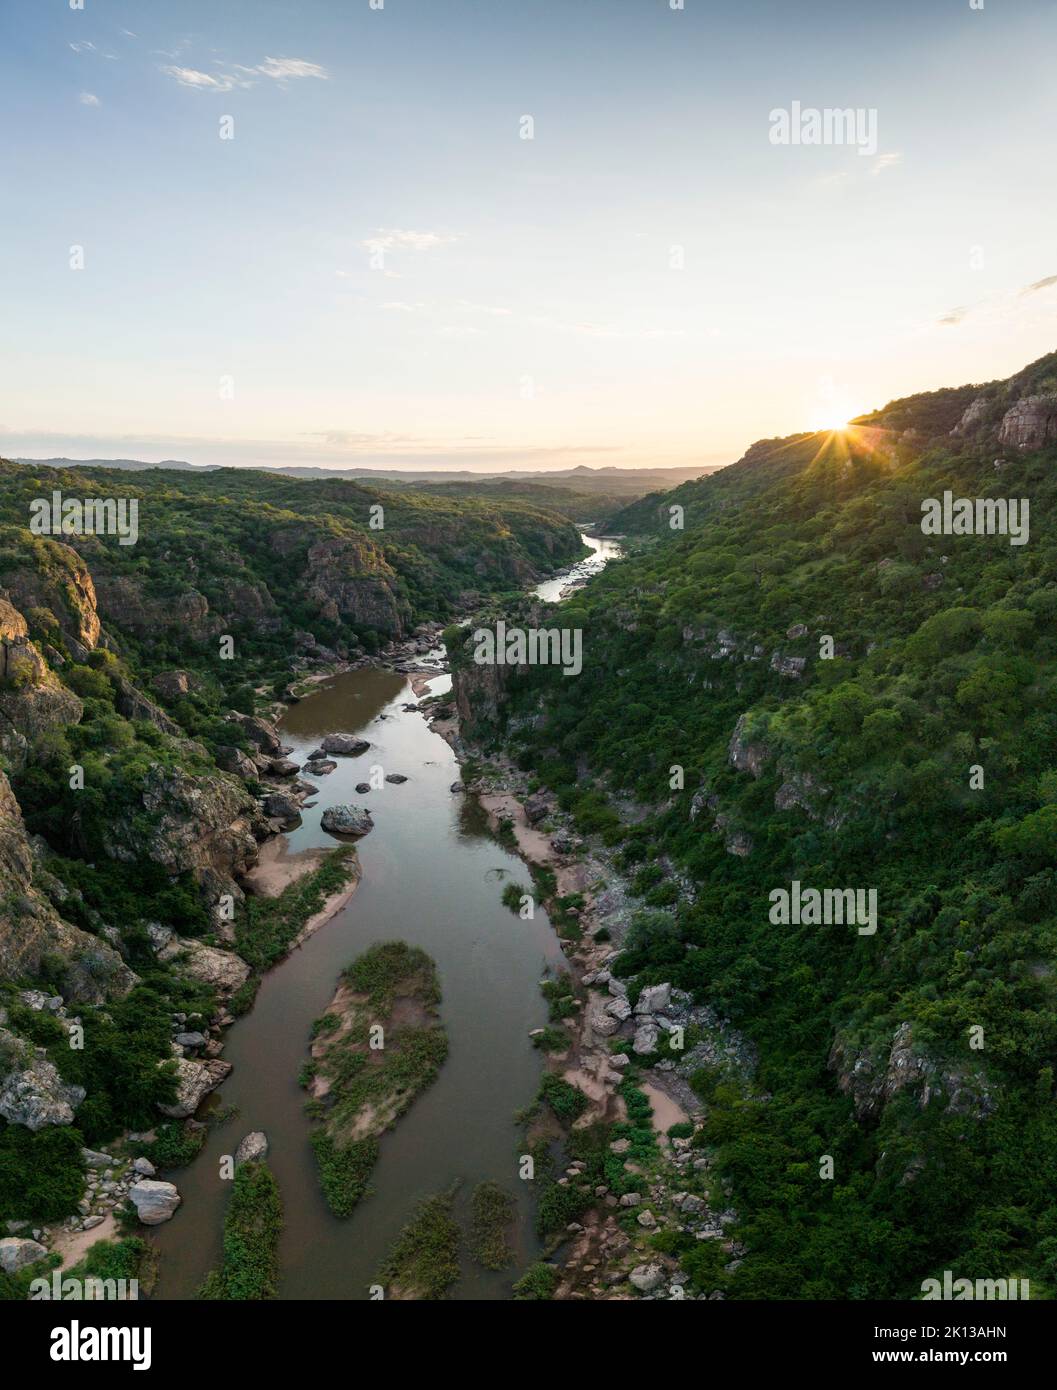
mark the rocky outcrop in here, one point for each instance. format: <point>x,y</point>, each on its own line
<point>200,824</point>
<point>32,698</point>
<point>16,1253</point>
<point>55,580</point>
<point>223,971</point>
<point>801,792</point>
<point>1030,423</point>
<point>32,1093</point>
<point>346,578</point>
<point>975,414</point>
<point>231,759</point>
<point>873,1078</point>
<point>260,732</point>
<point>194,1081</point>
<point>173,685</point>
<point>133,704</point>
<point>123,602</point>
<point>746,754</point>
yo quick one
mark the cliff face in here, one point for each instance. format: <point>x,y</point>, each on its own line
<point>31,929</point>
<point>203,825</point>
<point>54,579</point>
<point>32,698</point>
<point>345,578</point>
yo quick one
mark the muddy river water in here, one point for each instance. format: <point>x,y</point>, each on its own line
<point>432,876</point>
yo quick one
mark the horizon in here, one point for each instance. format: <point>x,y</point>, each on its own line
<point>279,254</point>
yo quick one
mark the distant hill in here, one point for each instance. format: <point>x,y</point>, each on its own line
<point>624,482</point>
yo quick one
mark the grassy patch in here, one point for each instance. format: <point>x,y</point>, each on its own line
<point>250,1267</point>
<point>424,1262</point>
<point>492,1213</point>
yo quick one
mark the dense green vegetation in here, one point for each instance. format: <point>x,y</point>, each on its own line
<point>375,1049</point>
<point>492,1212</point>
<point>252,1227</point>
<point>424,1261</point>
<point>862,770</point>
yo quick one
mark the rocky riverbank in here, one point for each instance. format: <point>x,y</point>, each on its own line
<point>611,1250</point>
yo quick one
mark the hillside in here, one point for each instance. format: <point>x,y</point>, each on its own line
<point>803,686</point>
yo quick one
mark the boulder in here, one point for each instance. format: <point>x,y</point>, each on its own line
<point>345,745</point>
<point>347,820</point>
<point>231,759</point>
<point>646,1038</point>
<point>252,1149</point>
<point>94,1159</point>
<point>144,1167</point>
<point>16,1253</point>
<point>536,809</point>
<point>155,1202</point>
<point>646,1278</point>
<point>653,999</point>
<point>282,807</point>
<point>283,767</point>
<point>397,778</point>
<point>319,767</point>
<point>603,1023</point>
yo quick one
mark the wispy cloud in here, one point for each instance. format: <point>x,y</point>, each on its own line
<point>202,81</point>
<point>89,99</point>
<point>886,161</point>
<point>230,76</point>
<point>395,238</point>
<point>954,316</point>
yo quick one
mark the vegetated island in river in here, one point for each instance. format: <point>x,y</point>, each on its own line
<point>378,1045</point>
<point>249,1270</point>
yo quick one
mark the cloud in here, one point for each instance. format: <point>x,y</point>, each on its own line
<point>392,239</point>
<point>886,161</point>
<point>88,99</point>
<point>231,76</point>
<point>282,68</point>
<point>202,81</point>
<point>955,316</point>
<point>397,306</point>
<point>1039,285</point>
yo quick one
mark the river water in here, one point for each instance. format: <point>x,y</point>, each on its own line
<point>603,550</point>
<point>432,875</point>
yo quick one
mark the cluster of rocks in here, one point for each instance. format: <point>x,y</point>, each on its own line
<point>32,1093</point>
<point>420,652</point>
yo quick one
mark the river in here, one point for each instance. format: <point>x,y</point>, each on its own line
<point>432,875</point>
<point>603,550</point>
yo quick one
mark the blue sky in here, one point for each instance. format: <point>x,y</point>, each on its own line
<point>526,311</point>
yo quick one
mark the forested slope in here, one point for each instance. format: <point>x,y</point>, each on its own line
<point>914,753</point>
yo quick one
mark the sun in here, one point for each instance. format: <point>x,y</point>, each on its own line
<point>832,419</point>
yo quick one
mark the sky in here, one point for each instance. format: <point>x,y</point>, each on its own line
<point>261,232</point>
